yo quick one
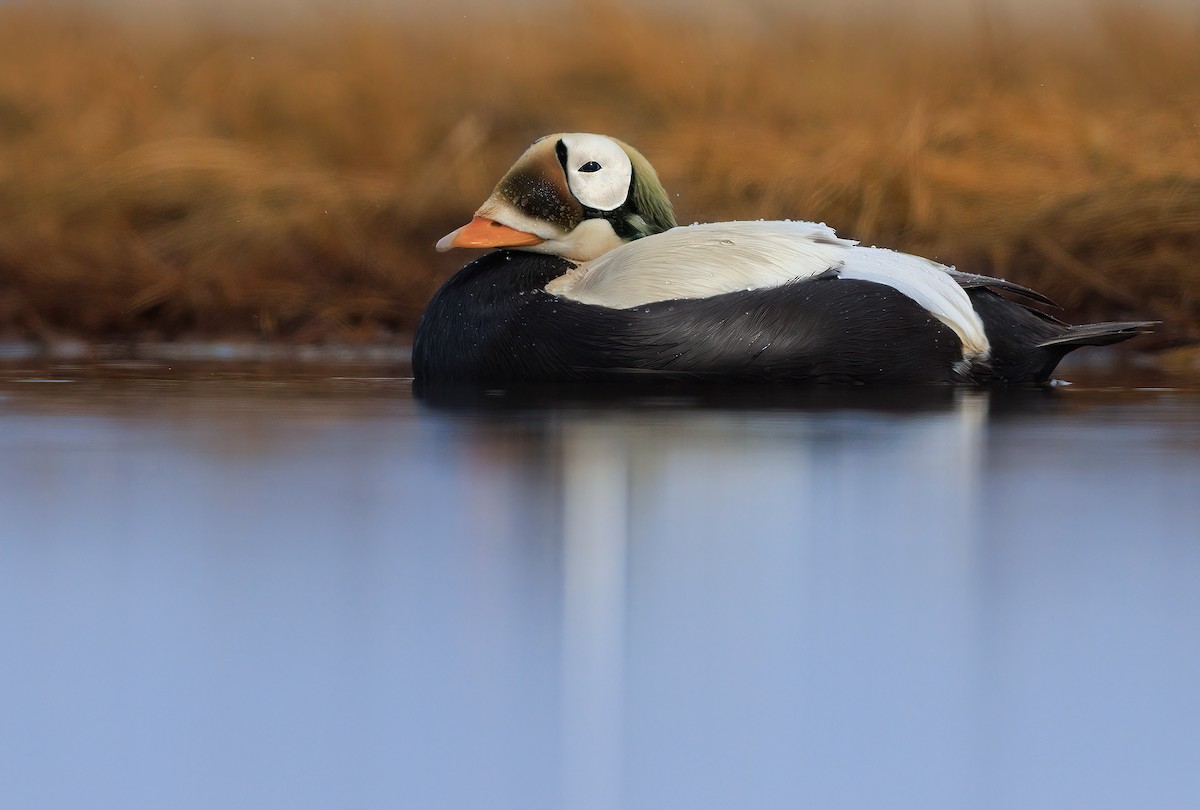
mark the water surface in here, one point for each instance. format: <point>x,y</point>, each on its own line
<point>262,587</point>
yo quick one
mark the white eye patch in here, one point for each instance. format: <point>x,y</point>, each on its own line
<point>598,170</point>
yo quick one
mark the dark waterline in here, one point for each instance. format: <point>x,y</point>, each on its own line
<point>301,587</point>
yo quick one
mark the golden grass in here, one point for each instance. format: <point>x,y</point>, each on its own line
<point>160,181</point>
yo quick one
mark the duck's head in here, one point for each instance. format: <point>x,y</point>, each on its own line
<point>573,195</point>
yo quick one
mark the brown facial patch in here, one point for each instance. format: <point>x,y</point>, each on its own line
<point>536,185</point>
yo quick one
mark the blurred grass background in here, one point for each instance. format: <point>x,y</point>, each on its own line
<point>287,179</point>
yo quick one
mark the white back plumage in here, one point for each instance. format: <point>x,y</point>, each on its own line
<point>700,261</point>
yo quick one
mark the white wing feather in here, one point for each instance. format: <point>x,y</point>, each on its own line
<point>927,283</point>
<point>704,260</point>
<point>700,261</point>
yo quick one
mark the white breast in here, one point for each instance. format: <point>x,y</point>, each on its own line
<point>701,261</point>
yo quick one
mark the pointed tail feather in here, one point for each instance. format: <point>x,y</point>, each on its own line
<point>971,280</point>
<point>1099,334</point>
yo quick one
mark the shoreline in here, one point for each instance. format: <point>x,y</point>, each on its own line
<point>198,351</point>
<point>1181,361</point>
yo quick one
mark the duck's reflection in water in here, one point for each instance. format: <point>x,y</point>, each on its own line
<point>679,526</point>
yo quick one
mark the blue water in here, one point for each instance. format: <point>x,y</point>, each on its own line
<point>248,588</point>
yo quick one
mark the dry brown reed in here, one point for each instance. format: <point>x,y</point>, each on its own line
<point>289,181</point>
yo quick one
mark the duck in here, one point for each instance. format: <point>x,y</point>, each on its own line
<point>590,278</point>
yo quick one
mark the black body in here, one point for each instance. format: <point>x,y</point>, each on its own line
<point>493,323</point>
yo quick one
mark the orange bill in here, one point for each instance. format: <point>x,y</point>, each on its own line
<point>482,232</point>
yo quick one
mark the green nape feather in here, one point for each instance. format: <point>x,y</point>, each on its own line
<point>649,197</point>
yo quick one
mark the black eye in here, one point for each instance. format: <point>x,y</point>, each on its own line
<point>590,166</point>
